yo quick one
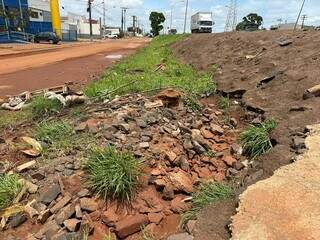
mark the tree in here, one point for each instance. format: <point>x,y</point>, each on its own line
<point>156,20</point>
<point>251,19</point>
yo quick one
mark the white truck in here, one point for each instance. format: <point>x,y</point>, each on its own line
<point>202,22</point>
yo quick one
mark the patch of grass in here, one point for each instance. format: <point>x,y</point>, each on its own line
<point>256,140</point>
<point>207,193</point>
<point>225,105</point>
<point>11,119</point>
<point>9,188</point>
<point>43,107</point>
<point>108,237</point>
<point>210,154</point>
<point>146,235</point>
<point>62,139</point>
<point>54,133</point>
<point>113,174</point>
<point>192,103</point>
<point>123,79</point>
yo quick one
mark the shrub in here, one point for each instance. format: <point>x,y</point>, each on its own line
<point>207,193</point>
<point>256,140</point>
<point>9,188</point>
<point>113,174</point>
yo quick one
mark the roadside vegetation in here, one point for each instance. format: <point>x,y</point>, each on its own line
<point>11,119</point>
<point>152,68</point>
<point>10,186</point>
<point>113,174</point>
<point>256,140</point>
<point>42,107</point>
<point>146,235</point>
<point>207,194</point>
<point>225,105</point>
<point>61,139</point>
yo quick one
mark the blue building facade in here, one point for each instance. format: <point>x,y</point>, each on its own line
<point>23,16</point>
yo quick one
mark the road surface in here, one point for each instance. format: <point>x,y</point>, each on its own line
<point>32,67</point>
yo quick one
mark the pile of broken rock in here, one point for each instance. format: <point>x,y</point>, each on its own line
<point>180,149</point>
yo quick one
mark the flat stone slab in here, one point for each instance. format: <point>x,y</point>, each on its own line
<point>287,205</point>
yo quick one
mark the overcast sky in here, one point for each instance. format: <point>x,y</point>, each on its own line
<point>270,10</point>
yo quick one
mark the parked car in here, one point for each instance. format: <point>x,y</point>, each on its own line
<point>111,36</point>
<point>47,37</point>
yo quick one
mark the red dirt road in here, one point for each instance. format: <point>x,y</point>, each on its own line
<point>33,68</point>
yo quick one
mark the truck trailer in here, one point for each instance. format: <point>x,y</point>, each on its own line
<point>202,22</point>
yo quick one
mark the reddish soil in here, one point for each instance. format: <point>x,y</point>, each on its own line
<point>80,64</point>
<point>269,80</point>
<point>296,68</point>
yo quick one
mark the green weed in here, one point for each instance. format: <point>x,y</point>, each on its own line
<point>123,79</point>
<point>43,107</point>
<point>11,119</point>
<point>9,188</point>
<point>225,105</point>
<point>256,140</point>
<point>207,193</point>
<point>192,103</point>
<point>113,174</point>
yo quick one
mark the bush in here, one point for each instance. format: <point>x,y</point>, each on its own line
<point>42,107</point>
<point>9,188</point>
<point>113,174</point>
<point>207,193</point>
<point>256,140</point>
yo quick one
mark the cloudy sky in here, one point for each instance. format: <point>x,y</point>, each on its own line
<point>270,10</point>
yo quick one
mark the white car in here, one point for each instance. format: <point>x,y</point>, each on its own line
<point>111,36</point>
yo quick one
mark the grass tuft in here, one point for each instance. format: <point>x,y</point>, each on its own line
<point>9,188</point>
<point>43,107</point>
<point>12,119</point>
<point>207,193</point>
<point>192,103</point>
<point>146,235</point>
<point>256,140</point>
<point>225,105</point>
<point>113,174</point>
<point>123,78</point>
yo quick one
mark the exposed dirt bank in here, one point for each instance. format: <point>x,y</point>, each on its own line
<point>272,79</point>
<point>269,73</point>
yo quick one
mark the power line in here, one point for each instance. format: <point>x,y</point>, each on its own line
<point>90,18</point>
<point>185,17</point>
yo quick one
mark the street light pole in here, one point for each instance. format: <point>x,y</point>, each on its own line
<point>185,16</point>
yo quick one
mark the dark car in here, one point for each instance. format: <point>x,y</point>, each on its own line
<point>47,37</point>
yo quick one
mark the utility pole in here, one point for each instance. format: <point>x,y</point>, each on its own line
<point>90,18</point>
<point>123,19</point>
<point>295,26</point>
<point>185,16</point>
<point>104,13</point>
<point>134,19</point>
<point>303,17</point>
<point>171,16</point>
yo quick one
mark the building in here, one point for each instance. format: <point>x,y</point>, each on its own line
<point>24,17</point>
<point>82,24</point>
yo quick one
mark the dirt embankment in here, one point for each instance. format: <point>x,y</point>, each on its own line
<point>271,80</point>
